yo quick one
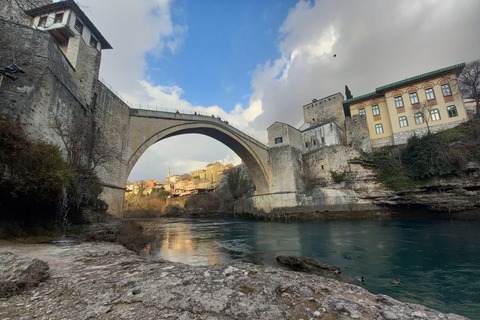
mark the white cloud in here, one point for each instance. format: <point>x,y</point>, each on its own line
<point>168,98</point>
<point>406,38</point>
<point>133,29</point>
<point>187,166</point>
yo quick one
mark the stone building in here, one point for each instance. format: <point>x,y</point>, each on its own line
<point>325,110</point>
<point>199,174</point>
<point>397,111</point>
<point>61,62</point>
<point>148,187</point>
<point>76,36</point>
<point>214,171</point>
<point>323,127</point>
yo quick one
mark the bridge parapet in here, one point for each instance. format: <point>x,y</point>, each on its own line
<point>194,117</point>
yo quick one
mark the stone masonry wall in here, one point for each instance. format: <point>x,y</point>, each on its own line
<point>87,66</point>
<point>12,10</point>
<point>47,89</point>
<point>111,116</point>
<point>44,90</point>
<point>402,137</point>
<point>286,167</point>
<point>325,110</point>
<point>356,132</point>
<point>285,158</point>
<point>381,142</point>
<point>319,164</point>
<point>289,135</point>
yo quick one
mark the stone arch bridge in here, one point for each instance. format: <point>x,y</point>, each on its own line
<point>146,127</point>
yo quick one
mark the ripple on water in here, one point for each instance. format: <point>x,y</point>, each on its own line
<point>437,262</point>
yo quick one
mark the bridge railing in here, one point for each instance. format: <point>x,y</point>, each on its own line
<point>174,110</point>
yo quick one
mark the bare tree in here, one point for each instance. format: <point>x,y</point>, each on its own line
<point>425,110</point>
<point>84,142</point>
<point>469,81</point>
<point>72,136</point>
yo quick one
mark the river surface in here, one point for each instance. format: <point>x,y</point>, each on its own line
<point>437,260</point>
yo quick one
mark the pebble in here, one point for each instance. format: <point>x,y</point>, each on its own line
<point>418,314</point>
<point>389,315</point>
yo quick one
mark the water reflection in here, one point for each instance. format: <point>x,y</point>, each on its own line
<point>180,241</point>
<point>437,261</point>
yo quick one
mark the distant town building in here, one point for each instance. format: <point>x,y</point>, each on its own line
<point>202,179</point>
<point>148,187</point>
<point>214,171</point>
<point>199,174</point>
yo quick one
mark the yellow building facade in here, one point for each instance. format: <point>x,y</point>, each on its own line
<point>397,111</point>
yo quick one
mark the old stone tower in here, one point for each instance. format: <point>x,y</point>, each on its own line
<point>60,48</point>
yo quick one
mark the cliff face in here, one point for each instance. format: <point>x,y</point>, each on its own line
<point>456,194</point>
<point>337,168</point>
<point>336,180</point>
<point>346,174</point>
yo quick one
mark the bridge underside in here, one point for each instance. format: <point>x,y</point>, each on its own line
<point>144,132</point>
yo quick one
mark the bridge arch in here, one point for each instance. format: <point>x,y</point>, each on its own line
<point>150,127</point>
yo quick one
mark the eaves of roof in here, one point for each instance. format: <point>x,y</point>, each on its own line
<point>458,68</point>
<point>362,97</point>
<point>70,4</point>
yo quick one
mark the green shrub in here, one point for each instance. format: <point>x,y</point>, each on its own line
<point>434,155</point>
<point>338,177</point>
<point>34,176</point>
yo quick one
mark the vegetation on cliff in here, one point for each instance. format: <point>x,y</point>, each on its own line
<point>442,155</point>
<point>35,180</point>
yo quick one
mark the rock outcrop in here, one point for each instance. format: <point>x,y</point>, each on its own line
<point>105,281</point>
<point>311,265</point>
<point>18,274</point>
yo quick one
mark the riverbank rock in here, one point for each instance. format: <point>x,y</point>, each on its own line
<point>18,274</point>
<point>310,265</point>
<point>106,281</point>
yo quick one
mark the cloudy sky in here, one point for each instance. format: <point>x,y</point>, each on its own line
<point>256,62</point>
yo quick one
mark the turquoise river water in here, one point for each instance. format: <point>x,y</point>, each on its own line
<point>437,260</point>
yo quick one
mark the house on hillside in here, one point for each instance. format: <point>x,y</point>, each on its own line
<point>397,111</point>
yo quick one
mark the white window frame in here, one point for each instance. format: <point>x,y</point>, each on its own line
<point>79,26</point>
<point>399,102</point>
<point>42,22</point>
<point>95,41</point>
<point>379,128</point>
<point>418,118</point>
<point>449,109</point>
<point>446,90</point>
<point>403,121</point>
<point>361,111</point>
<point>376,110</point>
<point>435,115</point>
<point>430,94</point>
<point>59,14</point>
<point>414,98</point>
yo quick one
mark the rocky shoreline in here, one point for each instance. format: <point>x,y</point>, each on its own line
<point>105,281</point>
